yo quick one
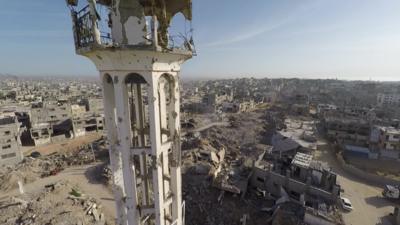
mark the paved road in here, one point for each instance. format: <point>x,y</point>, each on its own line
<point>370,208</point>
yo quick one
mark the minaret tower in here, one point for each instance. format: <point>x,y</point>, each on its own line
<point>132,46</point>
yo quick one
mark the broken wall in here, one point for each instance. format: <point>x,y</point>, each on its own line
<point>275,181</point>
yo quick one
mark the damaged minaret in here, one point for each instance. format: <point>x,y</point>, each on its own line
<point>133,46</point>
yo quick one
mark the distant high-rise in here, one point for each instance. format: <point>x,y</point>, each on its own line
<point>388,99</point>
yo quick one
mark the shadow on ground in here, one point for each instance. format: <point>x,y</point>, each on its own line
<point>377,201</point>
<point>94,174</point>
<point>386,220</point>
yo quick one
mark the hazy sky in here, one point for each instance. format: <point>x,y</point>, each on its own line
<point>346,39</point>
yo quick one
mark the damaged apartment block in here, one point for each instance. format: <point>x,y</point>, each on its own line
<point>50,122</point>
<point>305,181</point>
<point>56,121</point>
<point>10,152</point>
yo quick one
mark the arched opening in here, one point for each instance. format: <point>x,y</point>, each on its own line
<point>166,96</point>
<point>139,110</point>
<point>138,102</point>
<point>180,32</point>
<point>107,79</point>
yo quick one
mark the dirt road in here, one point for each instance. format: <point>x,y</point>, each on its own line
<point>370,208</point>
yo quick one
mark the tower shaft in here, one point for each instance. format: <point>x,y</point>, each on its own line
<point>139,62</point>
<point>143,130</point>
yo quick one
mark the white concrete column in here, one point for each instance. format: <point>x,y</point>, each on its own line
<point>93,16</point>
<point>162,84</point>
<point>115,155</point>
<point>155,138</point>
<point>174,126</point>
<point>124,145</point>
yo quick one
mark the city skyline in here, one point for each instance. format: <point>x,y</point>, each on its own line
<point>353,40</point>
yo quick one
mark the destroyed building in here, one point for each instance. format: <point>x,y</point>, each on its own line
<point>10,141</point>
<point>55,121</point>
<point>347,131</point>
<point>237,107</point>
<point>86,121</point>
<point>216,99</point>
<point>332,111</point>
<point>304,180</point>
<point>49,121</point>
<point>78,114</point>
<point>386,141</point>
<point>294,213</point>
<point>95,105</point>
<point>46,107</point>
<point>296,136</point>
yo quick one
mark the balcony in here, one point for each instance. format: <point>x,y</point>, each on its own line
<point>86,29</point>
<point>94,29</point>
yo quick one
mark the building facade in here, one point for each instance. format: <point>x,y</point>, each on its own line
<point>391,99</point>
<point>10,152</point>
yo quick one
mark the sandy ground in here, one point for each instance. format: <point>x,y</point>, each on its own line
<point>80,176</point>
<point>370,208</point>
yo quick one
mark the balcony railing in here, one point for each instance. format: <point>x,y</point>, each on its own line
<point>83,28</point>
<point>183,42</point>
<point>84,32</point>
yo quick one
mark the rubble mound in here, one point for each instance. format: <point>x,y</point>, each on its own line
<point>30,169</point>
<point>58,203</point>
<point>26,172</point>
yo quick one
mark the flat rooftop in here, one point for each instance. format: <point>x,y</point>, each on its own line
<point>302,160</point>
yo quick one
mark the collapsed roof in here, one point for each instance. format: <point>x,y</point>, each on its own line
<point>163,10</point>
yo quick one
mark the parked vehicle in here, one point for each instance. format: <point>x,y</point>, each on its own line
<point>346,204</point>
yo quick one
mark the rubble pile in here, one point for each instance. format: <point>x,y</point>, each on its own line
<point>208,204</point>
<point>27,171</point>
<point>217,178</point>
<point>30,169</point>
<point>249,134</point>
<point>84,156</point>
<point>58,203</point>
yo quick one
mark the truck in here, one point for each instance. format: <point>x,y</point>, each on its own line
<point>391,192</point>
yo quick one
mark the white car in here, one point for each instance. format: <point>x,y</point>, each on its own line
<point>346,204</point>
